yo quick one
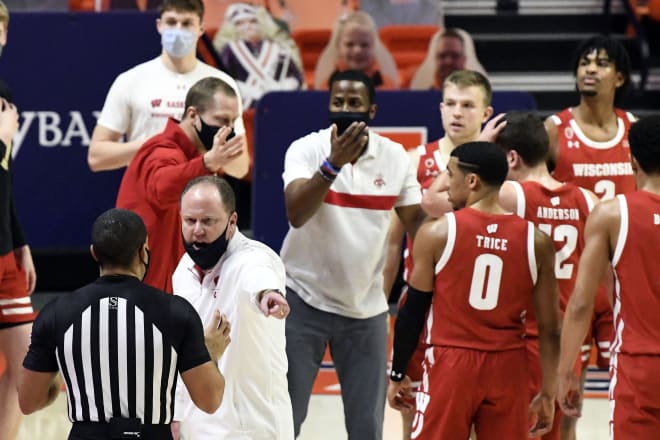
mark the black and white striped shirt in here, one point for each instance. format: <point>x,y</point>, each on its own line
<point>119,345</point>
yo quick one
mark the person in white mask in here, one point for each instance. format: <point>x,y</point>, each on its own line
<point>141,100</point>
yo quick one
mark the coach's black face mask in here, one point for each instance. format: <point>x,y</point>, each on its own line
<point>208,132</point>
<point>344,119</point>
<point>206,255</point>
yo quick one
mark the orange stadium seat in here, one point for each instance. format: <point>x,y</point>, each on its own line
<point>654,9</point>
<point>82,5</point>
<point>408,44</point>
<point>311,43</point>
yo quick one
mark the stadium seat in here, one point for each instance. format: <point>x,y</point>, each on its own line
<point>408,44</point>
<point>311,43</point>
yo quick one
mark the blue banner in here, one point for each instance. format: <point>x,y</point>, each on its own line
<point>59,67</point>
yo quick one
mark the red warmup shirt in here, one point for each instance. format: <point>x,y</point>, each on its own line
<point>483,282</point>
<point>151,187</point>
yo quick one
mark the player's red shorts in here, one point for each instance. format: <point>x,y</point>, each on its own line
<point>15,303</point>
<point>535,380</point>
<point>634,391</point>
<point>462,386</point>
<point>601,332</point>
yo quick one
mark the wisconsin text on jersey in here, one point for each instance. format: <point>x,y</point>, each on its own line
<point>602,169</point>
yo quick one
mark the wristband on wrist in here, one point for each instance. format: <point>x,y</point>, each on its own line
<point>325,175</point>
<point>326,164</point>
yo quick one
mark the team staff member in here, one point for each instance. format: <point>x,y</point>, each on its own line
<point>626,233</point>
<point>224,271</point>
<point>196,146</point>
<point>142,99</point>
<point>483,265</point>
<point>17,275</point>
<point>119,345</point>
<point>340,185</point>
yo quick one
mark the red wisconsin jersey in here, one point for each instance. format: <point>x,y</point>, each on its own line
<point>561,213</point>
<point>429,166</point>
<point>637,275</point>
<point>602,167</point>
<point>483,282</point>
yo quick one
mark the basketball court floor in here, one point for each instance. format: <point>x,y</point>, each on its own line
<point>324,422</point>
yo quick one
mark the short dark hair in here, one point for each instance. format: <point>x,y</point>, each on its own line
<point>467,78</point>
<point>355,75</point>
<point>196,6</point>
<point>117,236</point>
<point>644,139</point>
<point>525,133</point>
<point>224,189</point>
<point>485,159</point>
<point>615,52</point>
<point>452,33</point>
<point>201,93</point>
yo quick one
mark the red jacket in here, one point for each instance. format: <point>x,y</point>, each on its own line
<point>151,187</point>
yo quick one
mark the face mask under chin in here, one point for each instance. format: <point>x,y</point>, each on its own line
<point>207,255</point>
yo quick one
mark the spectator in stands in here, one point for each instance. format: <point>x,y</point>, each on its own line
<point>17,274</point>
<point>198,145</point>
<point>258,64</point>
<point>355,45</point>
<point>142,99</point>
<point>449,50</point>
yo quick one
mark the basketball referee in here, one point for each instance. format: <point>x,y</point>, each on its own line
<point>119,345</point>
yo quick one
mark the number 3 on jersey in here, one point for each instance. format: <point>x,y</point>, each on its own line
<point>567,234</point>
<point>487,275</point>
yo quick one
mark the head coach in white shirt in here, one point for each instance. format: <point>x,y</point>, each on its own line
<point>224,271</point>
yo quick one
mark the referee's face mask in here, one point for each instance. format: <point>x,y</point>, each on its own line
<point>145,263</point>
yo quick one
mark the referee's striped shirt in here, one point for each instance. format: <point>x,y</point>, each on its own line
<point>119,345</point>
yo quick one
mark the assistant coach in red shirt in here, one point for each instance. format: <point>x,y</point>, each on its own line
<point>202,143</point>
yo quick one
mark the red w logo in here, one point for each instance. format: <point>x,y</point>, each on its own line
<point>156,102</point>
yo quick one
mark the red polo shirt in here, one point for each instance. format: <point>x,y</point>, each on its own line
<point>151,187</point>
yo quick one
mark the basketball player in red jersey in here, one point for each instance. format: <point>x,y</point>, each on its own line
<point>589,143</point>
<point>478,266</point>
<point>558,209</point>
<point>625,232</point>
<point>464,108</point>
<point>589,147</point>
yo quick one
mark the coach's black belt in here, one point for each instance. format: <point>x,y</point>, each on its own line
<point>119,429</point>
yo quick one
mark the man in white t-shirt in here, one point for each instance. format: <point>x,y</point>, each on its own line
<point>340,184</point>
<point>244,280</point>
<point>142,99</point>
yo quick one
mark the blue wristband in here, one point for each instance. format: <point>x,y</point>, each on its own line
<point>326,163</point>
